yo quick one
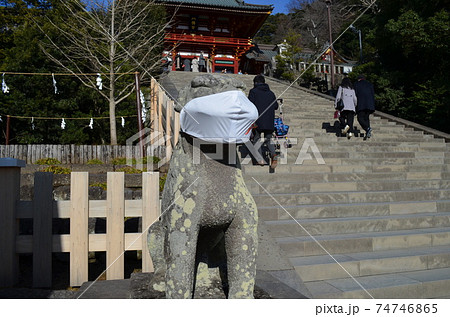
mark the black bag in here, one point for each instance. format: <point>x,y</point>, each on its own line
<point>340,103</point>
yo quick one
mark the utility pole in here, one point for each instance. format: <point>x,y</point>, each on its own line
<point>360,42</point>
<point>328,2</point>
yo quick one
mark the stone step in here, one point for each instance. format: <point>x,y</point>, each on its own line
<point>369,147</point>
<point>323,267</point>
<point>370,155</point>
<point>324,116</point>
<point>326,137</point>
<point>361,186</point>
<point>324,211</point>
<point>375,153</point>
<point>296,165</point>
<point>380,206</point>
<point>384,154</point>
<point>325,168</point>
<point>298,157</point>
<point>341,177</point>
<point>334,142</point>
<point>333,124</point>
<point>305,105</point>
<point>304,245</point>
<point>296,199</point>
<point>329,226</point>
<point>296,129</point>
<point>315,131</point>
<point>365,147</point>
<point>416,284</point>
<point>322,123</point>
<point>323,113</point>
<point>357,134</point>
<point>326,113</point>
<point>358,137</point>
<point>327,123</point>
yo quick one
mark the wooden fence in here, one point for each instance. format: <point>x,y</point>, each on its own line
<point>43,209</point>
<point>164,119</point>
<point>67,154</point>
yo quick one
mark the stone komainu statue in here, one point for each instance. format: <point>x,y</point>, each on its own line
<point>208,215</point>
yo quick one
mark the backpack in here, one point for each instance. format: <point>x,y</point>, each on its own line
<point>281,129</point>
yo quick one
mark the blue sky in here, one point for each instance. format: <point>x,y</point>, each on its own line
<point>279,5</point>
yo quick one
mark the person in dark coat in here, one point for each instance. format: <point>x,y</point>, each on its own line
<point>201,63</point>
<point>187,65</point>
<point>366,103</point>
<point>266,103</point>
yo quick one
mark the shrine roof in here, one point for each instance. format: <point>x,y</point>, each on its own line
<point>233,4</point>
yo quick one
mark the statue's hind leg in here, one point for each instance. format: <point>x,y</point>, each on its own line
<point>155,241</point>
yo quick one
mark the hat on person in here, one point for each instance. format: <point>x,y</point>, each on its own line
<point>361,76</point>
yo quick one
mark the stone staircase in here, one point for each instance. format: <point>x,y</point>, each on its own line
<point>373,221</point>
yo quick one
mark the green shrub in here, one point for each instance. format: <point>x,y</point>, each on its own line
<point>123,160</point>
<point>94,162</point>
<point>129,170</point>
<point>47,161</point>
<point>57,169</point>
<point>119,161</point>
<point>101,185</point>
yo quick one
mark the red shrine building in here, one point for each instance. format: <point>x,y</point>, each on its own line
<point>214,33</point>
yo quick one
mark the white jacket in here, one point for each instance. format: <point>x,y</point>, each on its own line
<point>349,98</point>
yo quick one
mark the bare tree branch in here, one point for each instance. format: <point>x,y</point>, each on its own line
<point>108,37</point>
<point>310,18</point>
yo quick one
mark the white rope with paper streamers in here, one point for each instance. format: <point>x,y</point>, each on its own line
<point>59,118</point>
<point>5,87</point>
<point>144,109</point>
<point>54,84</point>
<point>99,82</point>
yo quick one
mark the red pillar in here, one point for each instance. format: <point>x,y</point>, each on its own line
<point>174,54</point>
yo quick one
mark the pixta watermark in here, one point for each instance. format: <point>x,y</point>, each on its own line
<point>149,144</point>
<point>308,151</point>
<point>144,146</point>
<point>156,144</point>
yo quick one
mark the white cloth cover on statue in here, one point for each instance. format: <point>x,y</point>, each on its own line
<point>225,117</point>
